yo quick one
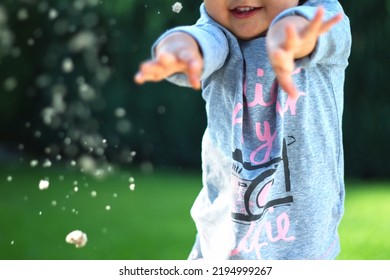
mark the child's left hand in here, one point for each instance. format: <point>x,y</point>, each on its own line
<point>291,38</point>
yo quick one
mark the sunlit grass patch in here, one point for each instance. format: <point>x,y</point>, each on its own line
<point>365,227</point>
<point>152,221</point>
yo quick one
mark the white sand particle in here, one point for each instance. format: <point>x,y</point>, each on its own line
<point>176,8</point>
<point>43,184</point>
<point>77,237</point>
<point>132,187</point>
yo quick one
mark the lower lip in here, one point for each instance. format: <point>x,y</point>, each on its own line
<point>244,15</point>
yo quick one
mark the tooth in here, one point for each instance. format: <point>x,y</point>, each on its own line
<point>245,9</point>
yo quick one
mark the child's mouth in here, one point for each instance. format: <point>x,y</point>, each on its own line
<point>244,12</point>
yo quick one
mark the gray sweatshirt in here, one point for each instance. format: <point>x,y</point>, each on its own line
<point>273,179</point>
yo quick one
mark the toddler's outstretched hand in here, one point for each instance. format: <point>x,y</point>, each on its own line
<point>176,53</point>
<point>291,38</point>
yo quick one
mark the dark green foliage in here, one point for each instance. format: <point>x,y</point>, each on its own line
<point>367,99</point>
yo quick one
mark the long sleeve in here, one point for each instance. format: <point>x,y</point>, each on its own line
<point>212,42</point>
<point>333,47</point>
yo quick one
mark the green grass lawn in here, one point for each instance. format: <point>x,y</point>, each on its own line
<point>365,227</point>
<point>151,222</point>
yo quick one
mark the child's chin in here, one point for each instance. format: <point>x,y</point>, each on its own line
<point>248,33</point>
<point>248,36</point>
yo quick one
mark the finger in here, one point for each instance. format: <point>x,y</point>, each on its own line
<point>316,23</point>
<point>164,65</point>
<point>326,26</point>
<point>282,60</point>
<point>166,59</point>
<point>170,64</point>
<point>283,65</point>
<point>194,73</point>
<point>292,38</point>
<point>150,71</point>
<point>317,26</point>
<point>144,71</point>
<point>285,81</point>
<point>192,67</point>
<point>138,78</point>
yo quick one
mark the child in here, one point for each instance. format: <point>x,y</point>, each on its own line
<point>272,75</point>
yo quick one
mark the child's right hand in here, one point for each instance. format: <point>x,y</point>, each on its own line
<point>176,53</point>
